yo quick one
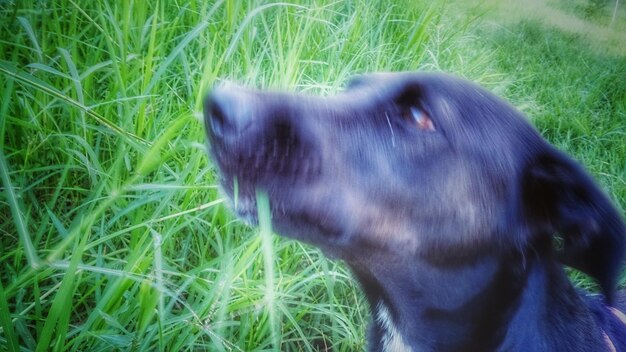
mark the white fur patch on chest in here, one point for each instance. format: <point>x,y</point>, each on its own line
<point>392,340</point>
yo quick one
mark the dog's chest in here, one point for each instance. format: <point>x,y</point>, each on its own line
<point>391,340</point>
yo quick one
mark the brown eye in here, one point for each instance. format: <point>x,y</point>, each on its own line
<point>420,119</point>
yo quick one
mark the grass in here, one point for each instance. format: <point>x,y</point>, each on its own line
<point>600,24</point>
<point>113,234</point>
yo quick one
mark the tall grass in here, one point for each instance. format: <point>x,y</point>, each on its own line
<point>579,97</point>
<point>113,234</point>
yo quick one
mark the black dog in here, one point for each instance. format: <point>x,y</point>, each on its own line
<point>451,210</point>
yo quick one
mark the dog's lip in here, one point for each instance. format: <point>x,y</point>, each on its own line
<point>288,215</point>
<point>247,175</point>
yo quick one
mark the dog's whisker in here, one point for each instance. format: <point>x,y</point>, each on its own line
<point>393,137</point>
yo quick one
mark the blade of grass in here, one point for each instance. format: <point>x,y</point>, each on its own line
<point>57,321</point>
<point>78,88</point>
<point>265,231</point>
<point>148,68</point>
<point>4,105</point>
<point>5,322</point>
<point>152,158</point>
<point>32,36</point>
<point>20,224</point>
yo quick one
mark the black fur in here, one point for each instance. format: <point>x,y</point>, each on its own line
<point>454,214</point>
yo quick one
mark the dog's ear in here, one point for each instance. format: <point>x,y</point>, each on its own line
<point>561,199</point>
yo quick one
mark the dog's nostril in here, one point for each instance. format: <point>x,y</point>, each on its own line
<point>217,120</point>
<point>229,110</point>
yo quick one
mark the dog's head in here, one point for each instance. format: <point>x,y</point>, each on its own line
<point>406,164</point>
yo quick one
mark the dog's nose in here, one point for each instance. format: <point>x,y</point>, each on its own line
<point>228,111</point>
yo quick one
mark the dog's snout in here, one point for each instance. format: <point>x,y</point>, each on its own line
<point>228,111</point>
<point>255,137</point>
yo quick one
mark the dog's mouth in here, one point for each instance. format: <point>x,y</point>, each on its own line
<point>266,155</point>
<point>288,177</point>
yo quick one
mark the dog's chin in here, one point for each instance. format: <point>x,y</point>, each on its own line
<point>243,206</point>
<point>249,216</point>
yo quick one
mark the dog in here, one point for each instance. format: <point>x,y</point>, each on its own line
<point>455,216</point>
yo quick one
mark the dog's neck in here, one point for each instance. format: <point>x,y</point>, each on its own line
<point>550,308</point>
<point>418,306</point>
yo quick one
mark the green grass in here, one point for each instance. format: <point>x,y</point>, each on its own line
<point>578,97</point>
<point>113,235</point>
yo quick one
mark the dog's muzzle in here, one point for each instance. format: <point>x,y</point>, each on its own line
<point>255,138</point>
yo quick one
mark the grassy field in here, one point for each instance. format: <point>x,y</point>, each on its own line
<point>113,235</point>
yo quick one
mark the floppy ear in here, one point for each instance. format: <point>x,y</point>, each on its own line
<point>562,199</point>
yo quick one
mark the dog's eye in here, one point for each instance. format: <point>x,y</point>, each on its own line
<point>419,119</point>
